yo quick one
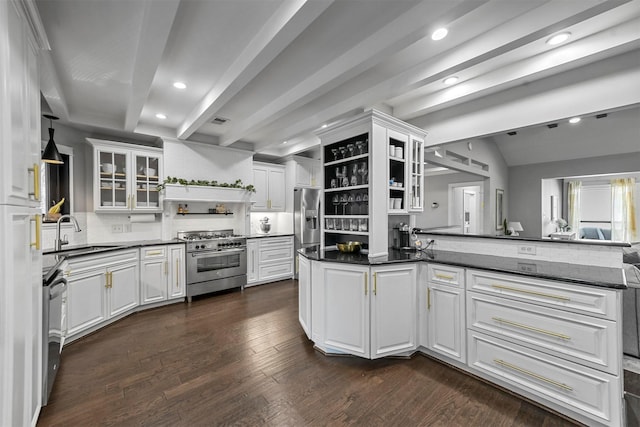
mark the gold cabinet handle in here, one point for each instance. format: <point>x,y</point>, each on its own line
<point>297,264</point>
<point>36,181</point>
<point>536,293</point>
<point>533,374</point>
<point>166,268</point>
<point>365,282</point>
<point>375,283</point>
<point>38,220</point>
<point>531,328</point>
<point>106,278</point>
<point>428,298</point>
<point>177,273</point>
<point>444,277</point>
<point>154,253</point>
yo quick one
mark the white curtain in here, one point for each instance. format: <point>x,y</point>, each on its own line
<point>574,205</point>
<point>623,210</point>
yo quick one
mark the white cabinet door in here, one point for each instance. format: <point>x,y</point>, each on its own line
<point>177,273</point>
<point>393,310</point>
<point>21,314</point>
<point>252,261</point>
<point>423,310</point>
<point>153,279</point>
<point>446,321</point>
<point>276,189</point>
<point>304,294</point>
<point>269,182</point>
<point>86,300</point>
<point>123,288</point>
<point>343,298</point>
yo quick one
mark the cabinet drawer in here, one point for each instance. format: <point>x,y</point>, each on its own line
<point>152,252</point>
<point>274,271</point>
<point>275,254</point>
<point>97,261</point>
<point>445,275</point>
<point>269,242</point>
<point>588,300</point>
<point>591,393</point>
<point>582,339</point>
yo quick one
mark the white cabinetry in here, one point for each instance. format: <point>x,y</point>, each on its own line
<point>304,294</point>
<point>125,179</point>
<point>365,312</point>
<point>269,259</point>
<point>20,254</point>
<point>557,342</point>
<point>303,172</point>
<point>100,288</point>
<point>446,312</point>
<point>269,182</point>
<point>162,275</point>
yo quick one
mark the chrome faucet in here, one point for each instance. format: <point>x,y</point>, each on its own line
<point>59,241</point>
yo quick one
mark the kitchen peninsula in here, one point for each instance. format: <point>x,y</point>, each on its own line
<point>541,318</point>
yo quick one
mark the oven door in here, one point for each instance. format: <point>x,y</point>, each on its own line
<point>205,266</point>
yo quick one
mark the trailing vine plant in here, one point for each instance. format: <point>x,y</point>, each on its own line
<point>205,183</point>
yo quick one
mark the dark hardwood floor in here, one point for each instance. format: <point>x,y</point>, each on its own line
<point>243,359</point>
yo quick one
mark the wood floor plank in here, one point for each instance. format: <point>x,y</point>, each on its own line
<point>241,358</point>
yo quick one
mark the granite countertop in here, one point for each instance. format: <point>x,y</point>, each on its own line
<point>51,259</point>
<point>261,235</point>
<point>521,238</point>
<point>581,274</point>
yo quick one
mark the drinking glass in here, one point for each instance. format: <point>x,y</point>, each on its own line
<point>354,224</point>
<point>351,201</point>
<point>334,151</point>
<point>345,180</point>
<point>335,201</point>
<point>343,152</point>
<point>363,226</point>
<point>338,176</point>
<point>334,183</point>
<point>354,175</point>
<point>337,224</point>
<point>359,147</point>
<point>350,148</point>
<point>344,200</point>
<point>365,202</point>
<point>358,202</point>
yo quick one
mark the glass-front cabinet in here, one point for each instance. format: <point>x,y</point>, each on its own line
<point>416,172</point>
<point>346,190</point>
<point>372,169</point>
<point>126,180</point>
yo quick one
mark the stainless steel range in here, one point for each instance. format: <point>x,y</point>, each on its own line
<point>216,260</point>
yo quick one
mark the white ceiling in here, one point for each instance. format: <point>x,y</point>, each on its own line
<point>280,69</point>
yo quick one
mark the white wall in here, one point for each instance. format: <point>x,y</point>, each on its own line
<point>550,187</point>
<point>436,190</point>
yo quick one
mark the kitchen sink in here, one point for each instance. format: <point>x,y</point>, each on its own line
<point>82,250</point>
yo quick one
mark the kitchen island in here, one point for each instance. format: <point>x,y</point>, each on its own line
<point>540,324</point>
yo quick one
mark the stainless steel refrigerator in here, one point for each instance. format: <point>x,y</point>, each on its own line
<point>306,218</point>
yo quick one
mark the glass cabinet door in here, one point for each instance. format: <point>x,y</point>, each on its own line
<point>146,181</point>
<point>416,197</point>
<point>113,180</point>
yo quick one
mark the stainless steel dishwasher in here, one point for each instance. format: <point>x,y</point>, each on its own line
<point>54,289</point>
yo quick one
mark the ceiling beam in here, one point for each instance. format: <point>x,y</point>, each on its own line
<point>397,34</point>
<point>154,32</point>
<point>51,88</point>
<point>287,23</point>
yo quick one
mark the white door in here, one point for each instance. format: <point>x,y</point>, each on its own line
<point>344,300</point>
<point>86,301</point>
<point>446,321</point>
<point>393,310</point>
<point>177,278</point>
<point>153,280</point>
<point>123,289</point>
<point>470,211</point>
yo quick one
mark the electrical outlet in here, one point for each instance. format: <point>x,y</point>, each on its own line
<point>116,228</point>
<point>526,250</point>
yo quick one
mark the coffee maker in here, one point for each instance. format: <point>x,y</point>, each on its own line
<point>401,237</point>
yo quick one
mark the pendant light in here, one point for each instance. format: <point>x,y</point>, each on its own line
<point>51,153</point>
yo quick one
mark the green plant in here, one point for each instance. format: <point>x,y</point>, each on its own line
<point>204,183</point>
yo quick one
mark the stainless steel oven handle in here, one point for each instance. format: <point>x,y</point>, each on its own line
<point>210,254</point>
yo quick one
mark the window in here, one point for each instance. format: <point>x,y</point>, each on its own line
<point>56,182</point>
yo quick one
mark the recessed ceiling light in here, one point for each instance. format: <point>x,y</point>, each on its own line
<point>161,116</point>
<point>284,142</point>
<point>450,80</point>
<point>558,38</point>
<point>324,126</point>
<point>574,120</point>
<point>439,34</point>
<point>179,85</point>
